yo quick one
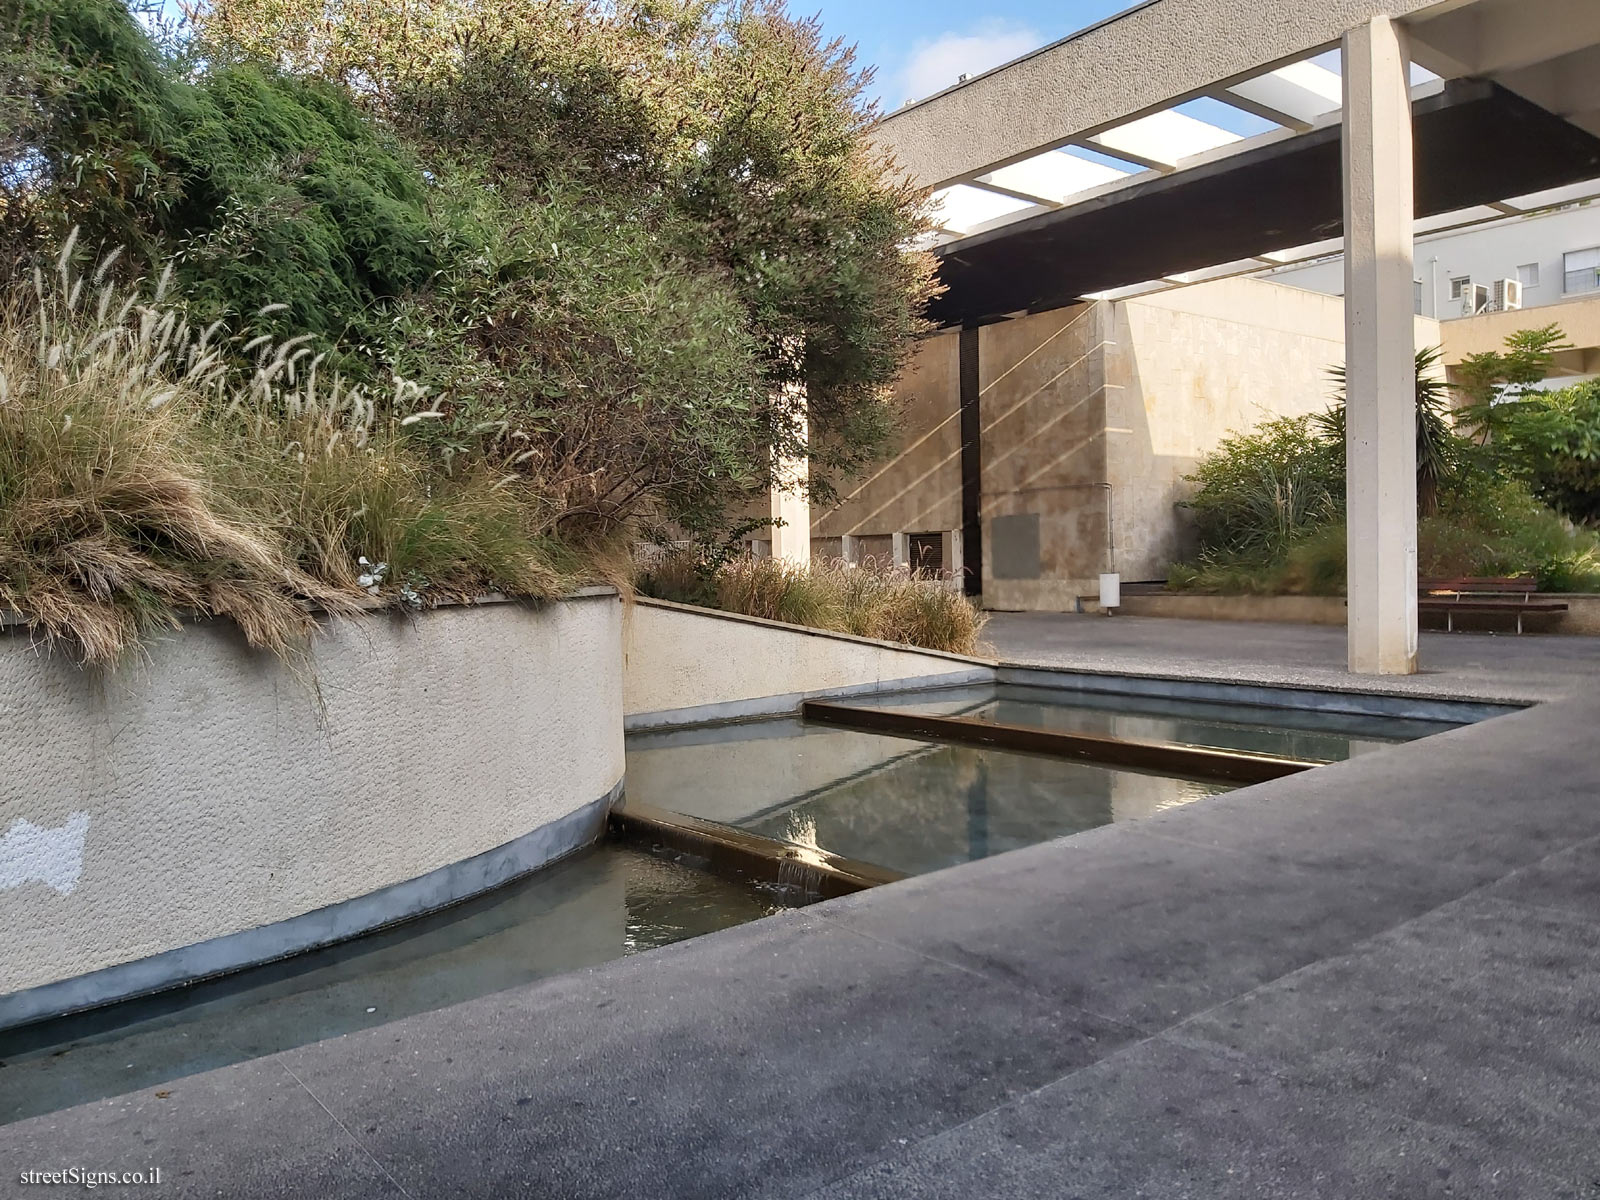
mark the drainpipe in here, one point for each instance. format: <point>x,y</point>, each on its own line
<point>1110,581</point>
<point>1111,540</point>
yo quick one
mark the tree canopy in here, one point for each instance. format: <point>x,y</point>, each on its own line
<point>630,250</point>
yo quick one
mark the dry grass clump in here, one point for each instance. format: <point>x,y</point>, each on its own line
<point>888,604</point>
<point>114,515</point>
<point>142,476</point>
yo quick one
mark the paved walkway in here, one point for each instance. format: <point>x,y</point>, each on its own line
<point>1377,979</point>
<point>1502,667</point>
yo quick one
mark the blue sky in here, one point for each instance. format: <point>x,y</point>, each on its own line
<point>922,46</point>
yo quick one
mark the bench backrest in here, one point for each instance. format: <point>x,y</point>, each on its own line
<point>1481,585</point>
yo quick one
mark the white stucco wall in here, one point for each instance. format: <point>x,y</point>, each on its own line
<point>203,792</point>
<point>1484,254</point>
<point>696,664</point>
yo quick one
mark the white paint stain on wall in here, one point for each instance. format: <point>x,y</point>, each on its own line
<point>31,853</point>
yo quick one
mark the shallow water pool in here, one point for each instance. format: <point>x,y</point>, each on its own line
<point>596,906</point>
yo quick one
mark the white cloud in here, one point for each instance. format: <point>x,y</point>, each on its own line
<point>940,63</point>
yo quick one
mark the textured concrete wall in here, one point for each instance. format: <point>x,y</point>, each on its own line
<point>685,663</point>
<point>202,793</point>
<point>918,488</point>
<point>1131,394</point>
<point>1043,381</point>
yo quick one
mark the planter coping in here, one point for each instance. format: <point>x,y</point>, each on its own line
<point>810,631</point>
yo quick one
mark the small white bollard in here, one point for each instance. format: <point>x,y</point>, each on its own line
<point>1110,592</point>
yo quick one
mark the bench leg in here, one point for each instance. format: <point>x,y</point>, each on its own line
<point>1519,624</point>
<point>1449,621</point>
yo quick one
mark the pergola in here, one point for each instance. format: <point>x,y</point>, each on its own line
<point>1100,165</point>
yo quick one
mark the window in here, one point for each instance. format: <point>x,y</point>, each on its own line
<point>1582,270</point>
<point>1460,287</point>
<point>1416,296</point>
<point>927,553</point>
<point>1528,275</point>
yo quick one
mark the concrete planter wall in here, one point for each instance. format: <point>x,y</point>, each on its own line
<point>685,665</point>
<point>200,811</point>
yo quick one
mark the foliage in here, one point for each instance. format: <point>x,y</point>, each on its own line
<point>621,254</point>
<point>1259,491</point>
<point>1439,450</point>
<point>732,133</point>
<point>290,195</point>
<point>632,250</point>
<point>579,350</point>
<point>1269,504</point>
<point>1490,382</point>
<point>85,96</point>
<point>1552,441</point>
<point>258,186</point>
<point>1486,525</point>
<point>140,479</point>
<point>866,601</point>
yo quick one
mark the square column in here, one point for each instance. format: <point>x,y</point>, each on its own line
<point>1381,421</point>
<point>791,541</point>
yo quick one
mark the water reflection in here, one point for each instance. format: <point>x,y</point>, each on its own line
<point>909,805</point>
<point>598,906</point>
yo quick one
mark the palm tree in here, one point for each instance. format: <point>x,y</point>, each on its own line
<point>1438,455</point>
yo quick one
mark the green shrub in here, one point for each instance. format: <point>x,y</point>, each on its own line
<point>569,345</point>
<point>1552,440</point>
<point>1259,491</point>
<point>733,136</point>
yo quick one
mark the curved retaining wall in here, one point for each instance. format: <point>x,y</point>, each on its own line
<point>200,811</point>
<point>685,665</point>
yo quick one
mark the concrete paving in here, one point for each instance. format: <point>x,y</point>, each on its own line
<point>1377,979</point>
<point>1526,668</point>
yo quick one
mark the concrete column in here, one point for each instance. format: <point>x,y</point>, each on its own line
<point>1381,427</point>
<point>791,540</point>
<point>901,548</point>
<point>952,552</point>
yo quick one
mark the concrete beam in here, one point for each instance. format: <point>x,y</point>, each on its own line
<point>1257,109</point>
<point>1013,193</point>
<point>1494,36</point>
<point>1381,430</point>
<point>1568,86</point>
<point>1149,58</point>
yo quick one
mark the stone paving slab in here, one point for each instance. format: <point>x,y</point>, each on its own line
<point>1481,1016</point>
<point>1314,987</point>
<point>248,1130</point>
<point>1162,1121</point>
<point>596,1087</point>
<point>1502,668</point>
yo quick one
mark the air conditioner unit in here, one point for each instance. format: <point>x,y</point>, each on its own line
<point>1507,295</point>
<point>1475,298</point>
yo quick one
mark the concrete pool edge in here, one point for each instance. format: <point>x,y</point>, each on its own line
<point>1000,1028</point>
<point>392,905</point>
<point>759,707</point>
<point>1259,694</point>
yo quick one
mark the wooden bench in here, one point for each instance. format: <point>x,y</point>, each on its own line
<point>1476,594</point>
